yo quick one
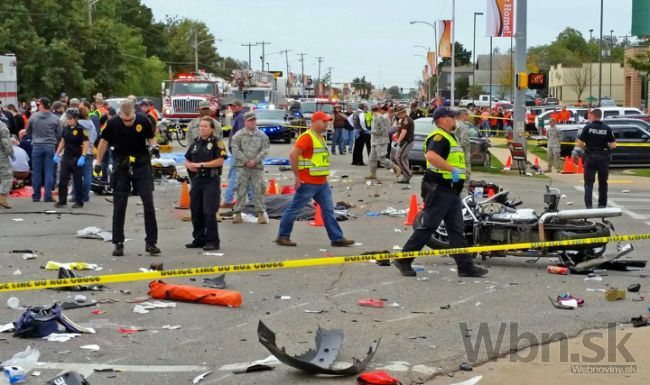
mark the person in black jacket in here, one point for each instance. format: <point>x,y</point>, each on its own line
<point>74,144</point>
<point>598,141</point>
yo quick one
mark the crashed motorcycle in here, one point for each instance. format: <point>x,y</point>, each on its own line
<point>499,220</point>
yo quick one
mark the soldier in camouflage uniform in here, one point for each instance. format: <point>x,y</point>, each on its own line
<point>249,147</point>
<point>193,127</point>
<point>462,133</point>
<point>6,175</point>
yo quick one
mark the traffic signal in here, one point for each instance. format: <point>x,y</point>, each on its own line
<point>521,79</point>
<point>536,81</point>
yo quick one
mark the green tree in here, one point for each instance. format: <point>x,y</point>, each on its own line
<point>393,92</point>
<point>463,56</point>
<point>474,91</point>
<point>362,86</point>
<point>462,86</point>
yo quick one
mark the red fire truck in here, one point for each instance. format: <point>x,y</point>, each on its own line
<point>182,98</point>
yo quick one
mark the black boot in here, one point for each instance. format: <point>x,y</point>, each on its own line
<point>152,249</point>
<point>119,249</point>
<point>472,271</point>
<point>404,267</point>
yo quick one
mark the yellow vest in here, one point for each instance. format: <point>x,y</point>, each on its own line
<point>456,156</point>
<point>319,163</point>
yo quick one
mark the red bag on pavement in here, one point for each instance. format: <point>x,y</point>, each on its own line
<point>161,290</point>
<point>377,378</point>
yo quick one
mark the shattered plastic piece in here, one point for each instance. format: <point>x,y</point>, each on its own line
<point>200,377</point>
<point>95,233</point>
<point>69,378</point>
<point>36,373</point>
<point>315,311</point>
<point>61,337</point>
<point>8,327</point>
<point>93,347</point>
<point>377,378</point>
<point>17,219</point>
<point>131,330</point>
<point>594,278</point>
<point>171,327</point>
<point>253,368</point>
<point>52,265</point>
<point>371,302</point>
<point>445,307</point>
<point>98,312</point>
<point>626,191</point>
<point>464,366</point>
<point>214,254</point>
<point>285,297</point>
<point>560,305</point>
<point>634,288</point>
<point>240,368</point>
<point>13,303</point>
<point>18,272</point>
<point>28,256</point>
<point>216,282</point>
<point>397,247</point>
<point>143,308</point>
<point>613,294</point>
<point>321,360</point>
<point>596,290</point>
<point>25,359</point>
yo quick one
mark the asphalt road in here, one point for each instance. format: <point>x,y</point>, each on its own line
<point>419,340</point>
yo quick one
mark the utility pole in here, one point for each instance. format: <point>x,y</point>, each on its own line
<point>320,61</point>
<point>600,55</point>
<point>263,57</point>
<point>302,72</point>
<point>520,66</point>
<point>286,58</point>
<point>329,75</point>
<point>453,51</point>
<point>196,52</point>
<point>490,87</point>
<point>249,45</point>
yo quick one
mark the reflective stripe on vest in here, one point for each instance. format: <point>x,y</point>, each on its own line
<point>319,163</point>
<point>456,157</point>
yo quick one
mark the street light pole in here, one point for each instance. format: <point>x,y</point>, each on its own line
<point>474,49</point>
<point>600,55</point>
<point>453,51</point>
<point>196,45</point>
<point>435,41</point>
<point>591,66</point>
<point>611,61</point>
<point>490,86</point>
<point>286,58</point>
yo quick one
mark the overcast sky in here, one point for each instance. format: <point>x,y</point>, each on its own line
<point>374,37</point>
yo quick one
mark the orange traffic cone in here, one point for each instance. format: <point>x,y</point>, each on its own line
<point>536,161</point>
<point>413,210</point>
<point>272,190</point>
<point>508,163</point>
<point>568,166</point>
<point>580,166</point>
<point>318,217</point>
<point>185,197</point>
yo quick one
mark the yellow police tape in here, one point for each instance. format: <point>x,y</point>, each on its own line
<point>296,263</point>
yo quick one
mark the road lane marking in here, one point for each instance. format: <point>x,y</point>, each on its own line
<point>616,205</point>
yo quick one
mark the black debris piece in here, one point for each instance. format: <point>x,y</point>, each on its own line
<point>321,360</point>
<point>216,282</point>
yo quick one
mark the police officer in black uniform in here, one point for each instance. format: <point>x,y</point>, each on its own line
<point>441,186</point>
<point>129,134</point>
<point>204,162</point>
<point>599,141</point>
<point>74,143</point>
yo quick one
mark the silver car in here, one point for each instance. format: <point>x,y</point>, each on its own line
<point>480,154</point>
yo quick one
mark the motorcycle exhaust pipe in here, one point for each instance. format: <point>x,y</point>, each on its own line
<point>606,212</point>
<point>593,263</point>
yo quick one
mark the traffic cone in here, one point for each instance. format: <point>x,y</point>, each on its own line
<point>413,210</point>
<point>318,217</point>
<point>508,163</point>
<point>272,190</point>
<point>185,197</point>
<point>536,161</point>
<point>580,166</point>
<point>568,166</point>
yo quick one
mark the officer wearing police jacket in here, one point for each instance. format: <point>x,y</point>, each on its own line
<point>441,186</point>
<point>129,133</point>
<point>599,140</point>
<point>204,161</point>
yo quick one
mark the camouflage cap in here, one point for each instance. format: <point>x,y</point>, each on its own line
<point>204,104</point>
<point>250,115</point>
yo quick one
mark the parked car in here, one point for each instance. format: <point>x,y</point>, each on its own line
<point>625,131</point>
<point>480,154</point>
<point>274,124</point>
<point>481,101</point>
<point>550,101</point>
